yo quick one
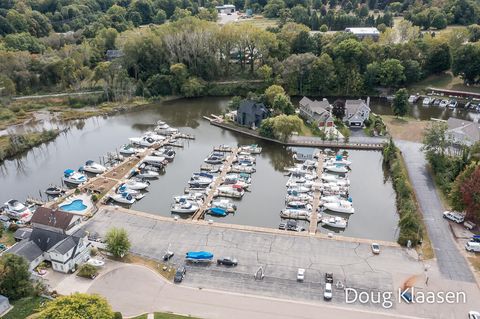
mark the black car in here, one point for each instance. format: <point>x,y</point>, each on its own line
<point>180,274</point>
<point>227,261</point>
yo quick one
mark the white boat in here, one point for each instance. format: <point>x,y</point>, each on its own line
<point>295,213</point>
<point>145,173</point>
<point>252,149</point>
<point>296,183</point>
<point>184,207</point>
<point>337,168</point>
<point>231,191</point>
<point>93,167</point>
<point>54,191</point>
<point>123,188</point>
<point>342,206</point>
<point>299,197</point>
<point>235,181</point>
<point>443,103</point>
<point>154,136</point>
<point>136,185</point>
<point>297,170</point>
<point>129,149</point>
<point>96,262</point>
<point>225,204</point>
<point>124,198</point>
<point>142,141</point>
<point>298,189</point>
<point>298,204</point>
<point>154,160</point>
<point>242,169</point>
<point>331,199</point>
<point>427,101</point>
<point>167,131</point>
<point>335,222</point>
<point>200,180</point>
<point>413,98</point>
<point>246,158</point>
<point>331,178</point>
<point>196,197</point>
<point>452,104</point>
<point>240,177</point>
<point>73,177</point>
<point>168,153</point>
<point>17,210</point>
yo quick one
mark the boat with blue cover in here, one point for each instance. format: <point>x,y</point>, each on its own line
<point>73,177</point>
<point>199,256</point>
<point>217,211</point>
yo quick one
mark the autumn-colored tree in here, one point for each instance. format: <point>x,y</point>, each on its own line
<point>471,195</point>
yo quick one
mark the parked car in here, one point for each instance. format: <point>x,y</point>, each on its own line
<point>282,226</point>
<point>469,225</point>
<point>472,246</point>
<point>180,274</point>
<point>227,261</point>
<point>300,274</point>
<point>473,315</point>
<point>168,254</point>
<point>329,277</point>
<point>375,248</point>
<point>454,216</point>
<point>327,293</point>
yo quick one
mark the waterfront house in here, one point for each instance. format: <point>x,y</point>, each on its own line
<point>251,113</point>
<point>55,220</point>
<point>356,112</point>
<point>63,251</point>
<point>463,132</point>
<point>362,33</point>
<point>318,112</point>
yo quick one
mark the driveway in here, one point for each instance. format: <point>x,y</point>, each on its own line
<point>451,263</point>
<point>134,290</point>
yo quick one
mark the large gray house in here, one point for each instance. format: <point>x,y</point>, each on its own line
<point>356,112</point>
<point>463,132</point>
<point>251,113</point>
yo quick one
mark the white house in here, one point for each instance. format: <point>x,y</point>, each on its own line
<point>356,112</point>
<point>364,32</point>
<point>463,132</point>
<point>56,238</point>
<point>319,112</point>
<point>226,8</point>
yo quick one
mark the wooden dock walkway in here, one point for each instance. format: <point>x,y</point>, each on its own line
<point>225,169</point>
<point>316,198</point>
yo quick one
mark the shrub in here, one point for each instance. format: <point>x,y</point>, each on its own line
<point>117,315</point>
<point>87,271</point>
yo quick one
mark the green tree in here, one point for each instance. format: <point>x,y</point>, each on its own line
<point>160,17</point>
<point>439,21</point>
<point>266,128</point>
<point>400,103</point>
<point>77,306</point>
<point>273,7</point>
<point>473,32</point>
<point>466,63</point>
<point>23,42</point>
<point>438,58</point>
<point>144,8</point>
<point>323,28</point>
<point>179,76</point>
<point>435,139</point>
<point>282,104</point>
<point>14,277</point>
<point>285,125</point>
<point>117,242</point>
<point>456,194</point>
<point>265,73</point>
<point>180,13</point>
<point>193,87</point>
<point>322,76</point>
<point>272,91</point>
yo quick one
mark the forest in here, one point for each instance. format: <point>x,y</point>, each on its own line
<point>173,47</point>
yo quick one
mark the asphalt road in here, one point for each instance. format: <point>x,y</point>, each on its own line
<point>451,263</point>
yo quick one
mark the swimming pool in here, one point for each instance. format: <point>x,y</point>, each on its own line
<point>76,205</point>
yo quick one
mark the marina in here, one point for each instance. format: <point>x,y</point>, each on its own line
<point>260,205</point>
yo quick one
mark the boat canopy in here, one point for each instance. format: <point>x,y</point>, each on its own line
<point>217,211</point>
<point>199,255</point>
<point>89,162</point>
<point>339,157</point>
<point>68,171</point>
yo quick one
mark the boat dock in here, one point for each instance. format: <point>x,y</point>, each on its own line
<point>224,170</point>
<point>316,198</point>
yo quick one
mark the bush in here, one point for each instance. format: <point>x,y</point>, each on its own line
<point>87,271</point>
<point>117,315</point>
<point>323,28</point>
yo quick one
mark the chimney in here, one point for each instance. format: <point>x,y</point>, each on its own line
<point>368,101</point>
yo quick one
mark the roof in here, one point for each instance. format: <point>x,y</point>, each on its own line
<point>3,298</point>
<point>225,6</point>
<point>66,245</point>
<point>46,239</point>
<point>363,31</point>
<point>53,218</point>
<point>469,129</point>
<point>22,233</point>
<point>320,109</point>
<point>353,106</point>
<point>250,106</point>
<point>26,249</point>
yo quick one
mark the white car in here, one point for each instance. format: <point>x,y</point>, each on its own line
<point>300,274</point>
<point>375,248</point>
<point>327,294</point>
<point>454,216</point>
<point>473,315</point>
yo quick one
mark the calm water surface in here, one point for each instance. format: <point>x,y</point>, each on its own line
<point>373,197</point>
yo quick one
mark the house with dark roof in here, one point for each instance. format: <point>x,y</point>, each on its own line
<point>356,112</point>
<point>319,112</point>
<point>463,132</point>
<point>22,233</point>
<point>62,250</point>
<point>251,113</point>
<point>55,220</point>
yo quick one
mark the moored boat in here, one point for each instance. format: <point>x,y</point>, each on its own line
<point>337,168</point>
<point>124,198</point>
<point>225,204</point>
<point>342,206</point>
<point>335,222</point>
<point>73,177</point>
<point>184,207</point>
<point>129,149</point>
<point>93,167</point>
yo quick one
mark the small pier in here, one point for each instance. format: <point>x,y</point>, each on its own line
<point>316,198</point>
<point>225,169</point>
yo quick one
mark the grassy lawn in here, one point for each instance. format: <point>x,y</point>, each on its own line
<point>162,315</point>
<point>169,273</point>
<point>7,238</point>
<point>408,129</point>
<point>24,307</point>
<point>260,22</point>
<point>475,261</point>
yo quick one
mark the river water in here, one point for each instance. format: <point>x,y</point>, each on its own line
<point>373,196</point>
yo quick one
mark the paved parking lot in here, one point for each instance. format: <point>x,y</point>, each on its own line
<point>280,255</point>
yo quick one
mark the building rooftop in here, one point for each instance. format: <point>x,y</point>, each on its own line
<point>467,128</point>
<point>27,249</point>
<point>363,31</point>
<point>53,218</point>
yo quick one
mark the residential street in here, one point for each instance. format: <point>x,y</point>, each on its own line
<point>451,263</point>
